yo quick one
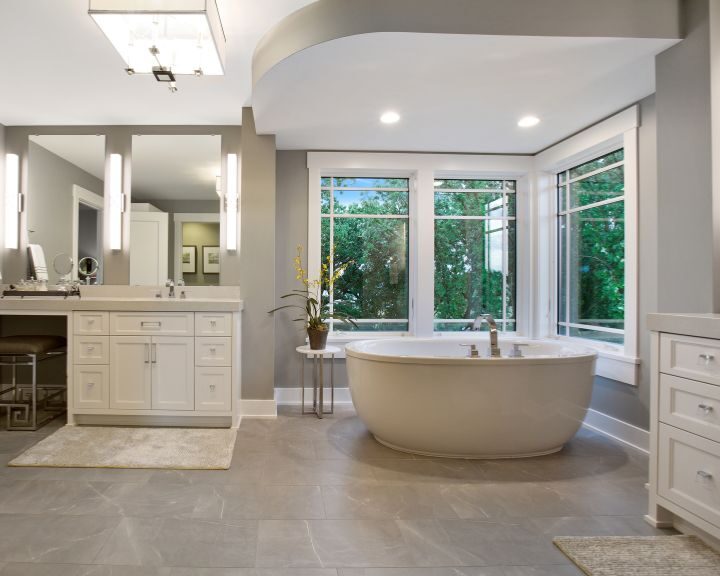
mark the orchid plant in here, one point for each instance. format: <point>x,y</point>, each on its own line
<point>314,295</point>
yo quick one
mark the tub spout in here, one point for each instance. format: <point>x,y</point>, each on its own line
<point>494,348</point>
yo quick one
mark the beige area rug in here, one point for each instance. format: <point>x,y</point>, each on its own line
<point>111,447</point>
<point>641,556</point>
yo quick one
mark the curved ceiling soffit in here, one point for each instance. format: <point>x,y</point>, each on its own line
<point>328,20</point>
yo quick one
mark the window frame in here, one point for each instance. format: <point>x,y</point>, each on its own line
<point>422,170</point>
<point>616,362</point>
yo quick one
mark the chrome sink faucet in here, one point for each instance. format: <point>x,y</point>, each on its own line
<point>170,284</point>
<point>494,349</point>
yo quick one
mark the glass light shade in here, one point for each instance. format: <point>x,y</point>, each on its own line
<point>116,202</point>
<point>187,33</point>
<point>12,200</point>
<point>231,220</point>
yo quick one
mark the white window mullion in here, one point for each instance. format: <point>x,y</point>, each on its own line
<point>425,261</point>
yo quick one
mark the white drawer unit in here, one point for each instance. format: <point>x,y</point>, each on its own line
<point>213,324</point>
<point>136,366</point>
<point>690,405</point>
<point>161,324</point>
<point>684,487</point>
<point>690,357</point>
<point>91,387</point>
<point>213,351</point>
<point>690,472</point>
<point>213,389</point>
<point>91,323</point>
<point>91,350</point>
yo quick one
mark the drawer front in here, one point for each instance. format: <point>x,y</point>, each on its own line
<point>91,387</point>
<point>690,405</point>
<point>689,472</point>
<point>212,389</point>
<point>141,323</point>
<point>690,357</point>
<point>91,323</point>
<point>91,349</point>
<point>213,324</point>
<point>213,351</point>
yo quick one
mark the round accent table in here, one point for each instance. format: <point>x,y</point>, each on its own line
<point>318,357</point>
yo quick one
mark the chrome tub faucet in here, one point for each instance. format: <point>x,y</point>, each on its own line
<point>494,350</point>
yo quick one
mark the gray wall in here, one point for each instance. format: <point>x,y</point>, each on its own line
<point>628,403</point>
<point>685,278</point>
<point>50,201</point>
<point>257,267</point>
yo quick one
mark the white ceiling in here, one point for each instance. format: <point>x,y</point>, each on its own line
<point>58,68</point>
<point>455,93</point>
<point>163,167</point>
<point>458,93</point>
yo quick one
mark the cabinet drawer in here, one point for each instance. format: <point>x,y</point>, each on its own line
<point>139,323</point>
<point>213,351</point>
<point>91,349</point>
<point>91,323</point>
<point>690,357</point>
<point>690,405</point>
<point>213,324</point>
<point>689,472</point>
<point>212,389</point>
<point>91,387</point>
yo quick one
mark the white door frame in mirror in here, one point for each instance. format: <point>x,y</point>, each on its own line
<point>83,196</point>
<point>179,219</point>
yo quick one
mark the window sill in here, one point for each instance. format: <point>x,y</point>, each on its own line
<point>612,363</point>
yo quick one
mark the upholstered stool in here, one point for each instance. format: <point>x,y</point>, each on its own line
<point>22,399</point>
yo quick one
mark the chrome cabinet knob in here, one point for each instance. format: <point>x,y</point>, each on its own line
<point>212,387</point>
<point>704,475</point>
<point>707,357</point>
<point>706,408</point>
<point>91,384</point>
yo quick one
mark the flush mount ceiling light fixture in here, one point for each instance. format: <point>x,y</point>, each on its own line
<point>528,121</point>
<point>165,38</point>
<point>390,117</point>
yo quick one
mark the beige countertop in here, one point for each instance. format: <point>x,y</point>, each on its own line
<point>71,304</point>
<point>703,325</point>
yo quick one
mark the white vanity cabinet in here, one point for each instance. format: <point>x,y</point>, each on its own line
<point>685,423</point>
<point>154,363</point>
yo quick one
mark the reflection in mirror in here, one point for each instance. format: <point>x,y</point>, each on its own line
<point>88,269</point>
<point>175,221</point>
<point>65,197</point>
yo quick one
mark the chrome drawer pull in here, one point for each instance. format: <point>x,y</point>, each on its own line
<point>91,348</point>
<point>212,387</point>
<point>706,408</point>
<point>91,384</point>
<point>704,475</point>
<point>213,323</point>
<point>150,324</point>
<point>707,357</point>
<point>212,350</point>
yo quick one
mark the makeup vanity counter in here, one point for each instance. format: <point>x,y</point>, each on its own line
<point>138,359</point>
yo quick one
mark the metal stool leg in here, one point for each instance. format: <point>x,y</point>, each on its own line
<point>34,390</point>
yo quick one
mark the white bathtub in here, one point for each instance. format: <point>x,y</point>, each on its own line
<point>426,397</point>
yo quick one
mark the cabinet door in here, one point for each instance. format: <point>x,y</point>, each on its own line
<point>130,373</point>
<point>91,386</point>
<point>173,373</point>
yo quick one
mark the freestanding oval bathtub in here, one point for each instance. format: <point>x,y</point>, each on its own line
<point>426,396</point>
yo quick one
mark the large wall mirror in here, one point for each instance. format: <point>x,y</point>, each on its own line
<point>175,220</point>
<point>65,202</point>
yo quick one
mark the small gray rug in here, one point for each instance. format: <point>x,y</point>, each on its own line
<point>641,556</point>
<point>111,447</point>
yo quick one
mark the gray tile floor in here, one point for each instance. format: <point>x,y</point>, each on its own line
<point>310,497</point>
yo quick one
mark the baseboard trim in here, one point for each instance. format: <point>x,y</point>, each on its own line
<point>292,396</point>
<point>258,409</point>
<point>617,429</point>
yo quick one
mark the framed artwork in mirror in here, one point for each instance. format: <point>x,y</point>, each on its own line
<point>211,259</point>
<point>189,259</point>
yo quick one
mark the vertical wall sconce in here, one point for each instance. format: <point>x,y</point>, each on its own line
<point>12,201</point>
<point>231,203</point>
<point>117,202</point>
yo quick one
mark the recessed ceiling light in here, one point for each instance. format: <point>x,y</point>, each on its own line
<point>390,117</point>
<point>528,121</point>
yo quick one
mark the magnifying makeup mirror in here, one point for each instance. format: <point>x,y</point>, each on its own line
<point>88,268</point>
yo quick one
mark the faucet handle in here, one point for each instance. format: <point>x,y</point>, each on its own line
<point>473,352</point>
<point>516,352</point>
<point>169,283</point>
<point>181,282</point>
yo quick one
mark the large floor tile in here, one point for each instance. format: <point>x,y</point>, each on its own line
<point>173,542</point>
<point>46,538</point>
